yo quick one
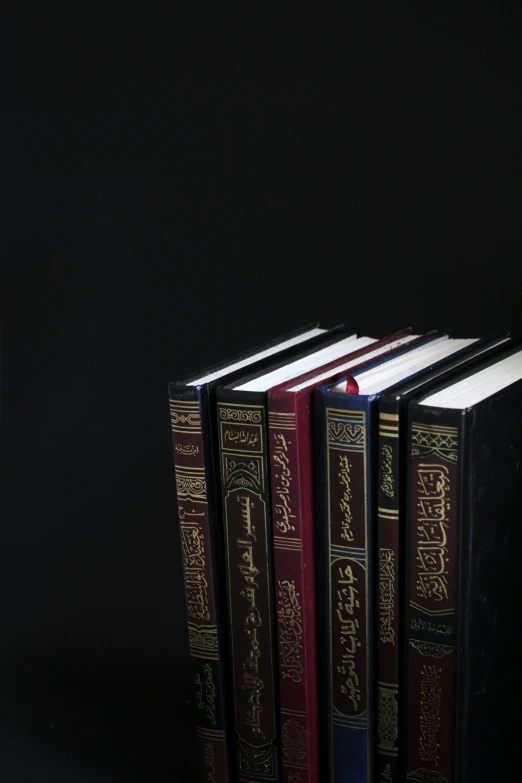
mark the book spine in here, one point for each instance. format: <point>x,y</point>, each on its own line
<point>248,542</point>
<point>292,514</point>
<point>191,474</point>
<point>433,476</point>
<point>344,479</point>
<point>388,641</point>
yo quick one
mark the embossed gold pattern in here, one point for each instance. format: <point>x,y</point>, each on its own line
<point>426,776</point>
<point>243,471</point>
<point>256,760</point>
<point>388,718</point>
<point>348,574</point>
<point>194,562</point>
<point>290,544</point>
<point>203,640</point>
<point>295,743</point>
<point>432,523</point>
<point>185,417</point>
<point>244,483</point>
<point>387,471</point>
<point>430,703</point>
<point>281,421</point>
<point>430,439</point>
<point>289,612</point>
<point>191,484</point>
<point>431,649</point>
<point>346,429</point>
<point>386,595</point>
<point>237,414</point>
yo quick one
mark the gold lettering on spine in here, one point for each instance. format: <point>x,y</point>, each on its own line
<point>344,478</point>
<point>434,453</point>
<point>387,471</point>
<point>348,569</point>
<point>386,595</point>
<point>431,531</point>
<point>347,602</point>
<point>192,503</point>
<point>284,516</point>
<point>186,450</point>
<point>248,570</point>
<point>430,714</point>
<point>234,438</point>
<point>210,692</point>
<point>193,551</point>
<point>291,631</point>
<point>427,627</point>
<point>210,762</point>
<point>243,472</point>
<point>206,692</point>
<point>200,703</point>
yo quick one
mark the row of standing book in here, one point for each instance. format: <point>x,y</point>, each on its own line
<point>350,524</point>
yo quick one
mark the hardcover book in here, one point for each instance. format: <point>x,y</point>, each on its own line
<point>462,677</point>
<point>392,493</point>
<point>194,433</point>
<point>245,475</point>
<point>346,444</point>
<point>291,474</point>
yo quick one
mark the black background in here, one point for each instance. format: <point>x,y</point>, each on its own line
<point>178,186</point>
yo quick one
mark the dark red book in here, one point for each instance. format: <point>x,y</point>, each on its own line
<point>291,470</point>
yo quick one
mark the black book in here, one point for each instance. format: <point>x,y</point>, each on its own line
<point>463,680</point>
<point>391,523</point>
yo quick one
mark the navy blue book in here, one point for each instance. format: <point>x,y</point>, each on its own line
<point>346,445</point>
<point>195,439</point>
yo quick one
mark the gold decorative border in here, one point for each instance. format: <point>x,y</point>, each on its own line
<point>389,425</point>
<point>230,490</point>
<point>427,439</point>
<point>358,441</point>
<point>431,649</point>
